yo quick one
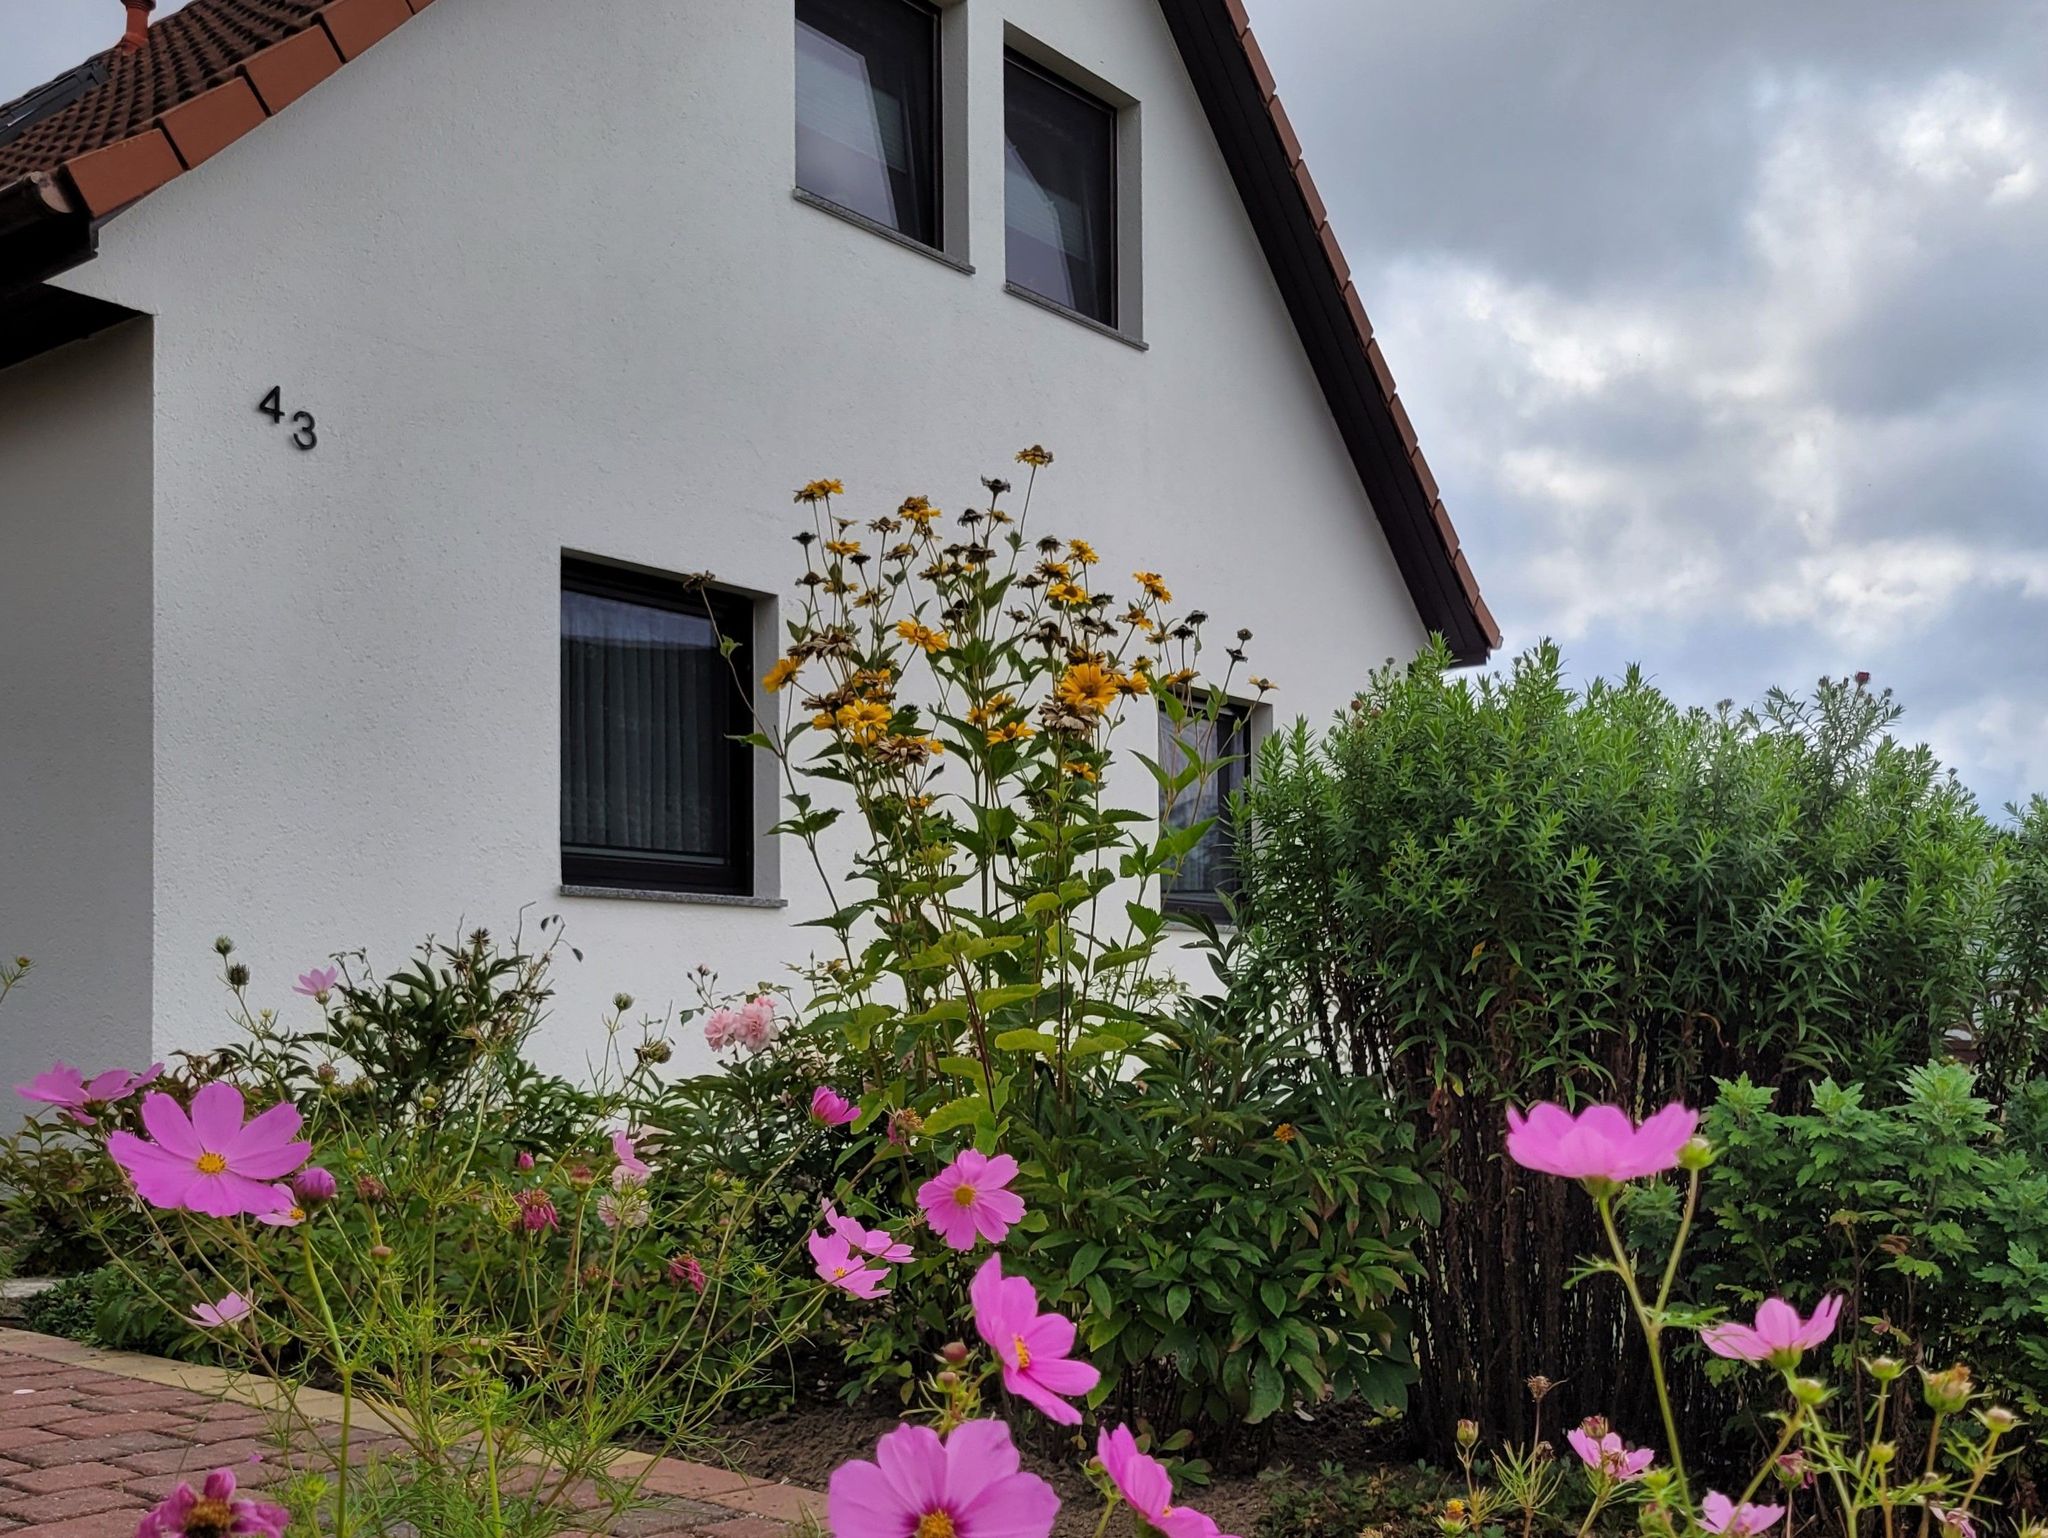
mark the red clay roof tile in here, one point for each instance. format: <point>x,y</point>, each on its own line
<point>287,70</point>
<point>357,25</point>
<point>115,176</point>
<point>207,124</point>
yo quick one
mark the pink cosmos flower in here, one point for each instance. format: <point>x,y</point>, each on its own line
<point>844,1267</point>
<point>1600,1143</point>
<point>878,1242</point>
<point>1033,1347</point>
<point>1779,1334</point>
<point>1604,1452</point>
<point>829,1108</point>
<point>215,1512</point>
<point>290,1215</point>
<point>1718,1514</point>
<point>970,1196</point>
<point>70,1091</point>
<point>230,1308</point>
<point>1954,1522</point>
<point>1145,1484</point>
<point>208,1161</point>
<point>968,1486</point>
<point>631,1166</point>
<point>317,982</point>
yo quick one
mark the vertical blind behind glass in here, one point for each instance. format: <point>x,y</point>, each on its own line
<point>646,766</point>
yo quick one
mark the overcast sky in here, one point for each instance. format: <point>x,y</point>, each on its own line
<point>1725,326</point>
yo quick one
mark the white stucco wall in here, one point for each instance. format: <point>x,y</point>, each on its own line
<point>75,431</point>
<point>537,271</point>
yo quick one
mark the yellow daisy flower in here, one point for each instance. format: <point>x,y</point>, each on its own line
<point>1014,731</point>
<point>1087,688</point>
<point>863,720</point>
<point>785,669</point>
<point>843,546</point>
<point>922,637</point>
<point>1082,551</point>
<point>1067,595</point>
<point>1036,456</point>
<point>1154,584</point>
<point>818,491</point>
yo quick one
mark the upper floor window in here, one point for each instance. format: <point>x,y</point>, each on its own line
<point>1209,872</point>
<point>657,793</point>
<point>1059,197</point>
<point>867,110</point>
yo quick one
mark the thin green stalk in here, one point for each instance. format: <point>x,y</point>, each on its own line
<point>1653,1330</point>
<point>346,1368</point>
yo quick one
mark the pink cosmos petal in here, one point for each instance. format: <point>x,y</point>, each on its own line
<point>270,1130</point>
<point>1026,1387</point>
<point>1014,1506</point>
<point>977,1454</point>
<point>863,1504</point>
<point>217,1115</point>
<point>228,1195</point>
<point>166,1121</point>
<point>1779,1334</point>
<point>915,1466</point>
<point>161,1177</point>
<point>1142,1480</point>
<point>1718,1514</point>
<point>59,1084</point>
<point>1599,1143</point>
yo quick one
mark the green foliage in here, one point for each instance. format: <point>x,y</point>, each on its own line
<point>104,1307</point>
<point>1490,890</point>
<point>1234,1226</point>
<point>1337,1503</point>
<point>1914,1201</point>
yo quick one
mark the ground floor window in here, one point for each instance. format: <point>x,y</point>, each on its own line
<point>656,788</point>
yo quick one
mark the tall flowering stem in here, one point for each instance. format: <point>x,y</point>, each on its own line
<point>1651,1321</point>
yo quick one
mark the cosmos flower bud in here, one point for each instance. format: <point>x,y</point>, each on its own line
<point>1998,1420</point>
<point>372,1190</point>
<point>622,1002</point>
<point>1468,1434</point>
<point>381,1252</point>
<point>1946,1391</point>
<point>1884,1368</point>
<point>238,975</point>
<point>313,1187</point>
<point>223,945</point>
<point>1695,1154</point>
<point>1809,1391</point>
<point>524,1161</point>
<point>954,1353</point>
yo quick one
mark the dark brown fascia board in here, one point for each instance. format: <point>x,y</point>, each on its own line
<point>1226,81</point>
<point>42,233</point>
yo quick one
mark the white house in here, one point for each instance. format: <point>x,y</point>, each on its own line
<point>360,361</point>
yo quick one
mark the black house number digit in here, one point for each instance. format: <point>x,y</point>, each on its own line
<point>272,406</point>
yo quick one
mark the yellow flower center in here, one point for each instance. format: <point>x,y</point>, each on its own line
<point>838,1272</point>
<point>963,1196</point>
<point>210,1519</point>
<point>934,1524</point>
<point>212,1163</point>
<point>1023,1352</point>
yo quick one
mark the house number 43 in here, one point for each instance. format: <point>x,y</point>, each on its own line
<point>272,406</point>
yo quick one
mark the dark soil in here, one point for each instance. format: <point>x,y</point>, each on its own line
<point>804,1445</point>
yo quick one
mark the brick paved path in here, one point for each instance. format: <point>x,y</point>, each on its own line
<point>89,1440</point>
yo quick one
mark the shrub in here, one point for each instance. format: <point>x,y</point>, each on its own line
<point>1915,1203</point>
<point>1494,890</point>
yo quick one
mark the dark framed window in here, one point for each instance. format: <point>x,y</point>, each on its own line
<point>657,792</point>
<point>1209,873</point>
<point>867,110</point>
<point>1059,190</point>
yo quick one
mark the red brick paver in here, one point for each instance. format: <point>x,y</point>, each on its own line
<point>90,1440</point>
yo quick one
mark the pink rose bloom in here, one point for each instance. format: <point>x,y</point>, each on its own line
<point>208,1161</point>
<point>230,1308</point>
<point>70,1091</point>
<point>722,1029</point>
<point>631,1166</point>
<point>1033,1347</point>
<point>968,1486</point>
<point>829,1108</point>
<point>1600,1143</point>
<point>970,1196</point>
<point>1145,1484</point>
<point>215,1512</point>
<point>840,1265</point>
<point>878,1242</point>
<point>319,981</point>
<point>757,1028</point>
<point>1607,1454</point>
<point>1779,1335</point>
<point>1718,1514</point>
